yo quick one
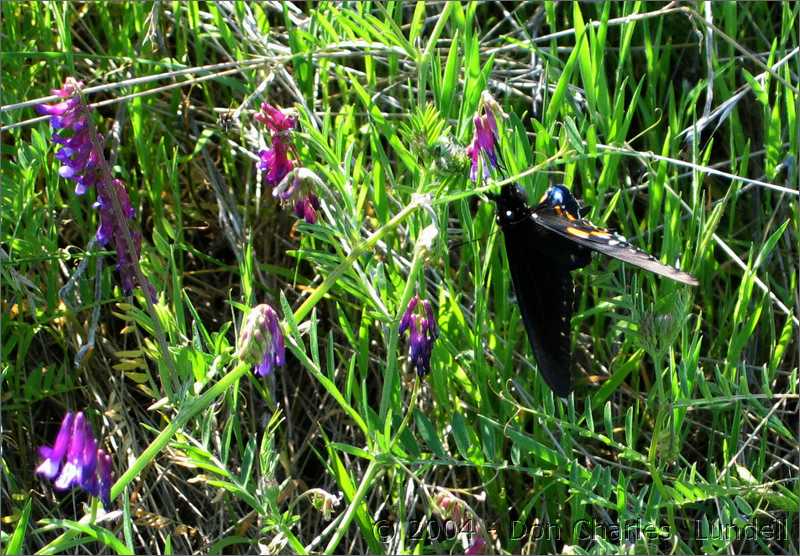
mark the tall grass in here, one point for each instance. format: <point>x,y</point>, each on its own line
<point>676,124</point>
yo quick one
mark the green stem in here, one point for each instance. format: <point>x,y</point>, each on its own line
<point>394,334</point>
<point>187,412</point>
<point>407,417</point>
<point>357,251</point>
<point>196,406</point>
<point>366,483</point>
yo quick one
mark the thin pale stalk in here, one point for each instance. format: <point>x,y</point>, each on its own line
<point>366,482</point>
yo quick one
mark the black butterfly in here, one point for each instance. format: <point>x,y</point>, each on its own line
<point>543,245</point>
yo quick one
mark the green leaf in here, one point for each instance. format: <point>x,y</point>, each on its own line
<point>94,532</point>
<point>557,99</point>
<point>14,545</point>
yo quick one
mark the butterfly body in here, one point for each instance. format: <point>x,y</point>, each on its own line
<point>544,244</point>
<point>515,218</point>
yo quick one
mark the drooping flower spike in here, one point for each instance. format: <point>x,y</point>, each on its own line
<point>291,183</point>
<point>82,161</point>
<point>261,340</point>
<point>275,161</point>
<point>484,140</point>
<point>75,461</point>
<point>275,119</point>
<point>420,321</point>
<point>297,188</point>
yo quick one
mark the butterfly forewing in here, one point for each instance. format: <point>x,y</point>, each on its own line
<point>583,232</point>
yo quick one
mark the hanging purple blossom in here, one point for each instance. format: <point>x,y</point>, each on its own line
<point>82,161</point>
<point>276,120</point>
<point>298,188</point>
<point>75,461</point>
<point>261,340</point>
<point>307,207</point>
<point>419,320</point>
<point>485,137</point>
<point>482,143</point>
<point>275,162</point>
<point>291,183</point>
<point>53,457</point>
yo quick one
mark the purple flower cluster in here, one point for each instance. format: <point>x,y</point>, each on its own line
<point>82,161</point>
<point>419,320</point>
<point>277,166</point>
<point>261,340</point>
<point>298,188</point>
<point>75,461</point>
<point>485,137</point>
<point>306,207</point>
<point>275,161</point>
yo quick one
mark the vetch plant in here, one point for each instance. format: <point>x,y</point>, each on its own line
<point>75,461</point>
<point>275,162</point>
<point>291,184</point>
<point>81,156</point>
<point>298,188</point>
<point>420,321</point>
<point>482,148</point>
<point>261,340</point>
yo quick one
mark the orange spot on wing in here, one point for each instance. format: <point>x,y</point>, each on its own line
<point>578,232</point>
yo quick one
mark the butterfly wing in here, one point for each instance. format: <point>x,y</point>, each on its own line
<point>583,232</point>
<point>545,295</point>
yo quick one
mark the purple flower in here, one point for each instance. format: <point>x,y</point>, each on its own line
<point>80,461</point>
<point>298,188</point>
<point>104,477</point>
<point>111,229</point>
<point>275,120</point>
<point>54,457</point>
<point>75,461</point>
<point>486,136</point>
<point>261,340</point>
<point>307,207</point>
<point>419,320</point>
<point>292,184</point>
<point>483,142</point>
<point>275,162</point>
<point>82,161</point>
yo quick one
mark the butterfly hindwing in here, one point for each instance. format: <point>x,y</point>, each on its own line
<point>545,297</point>
<point>583,232</point>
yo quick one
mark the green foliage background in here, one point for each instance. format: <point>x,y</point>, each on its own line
<point>684,424</point>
